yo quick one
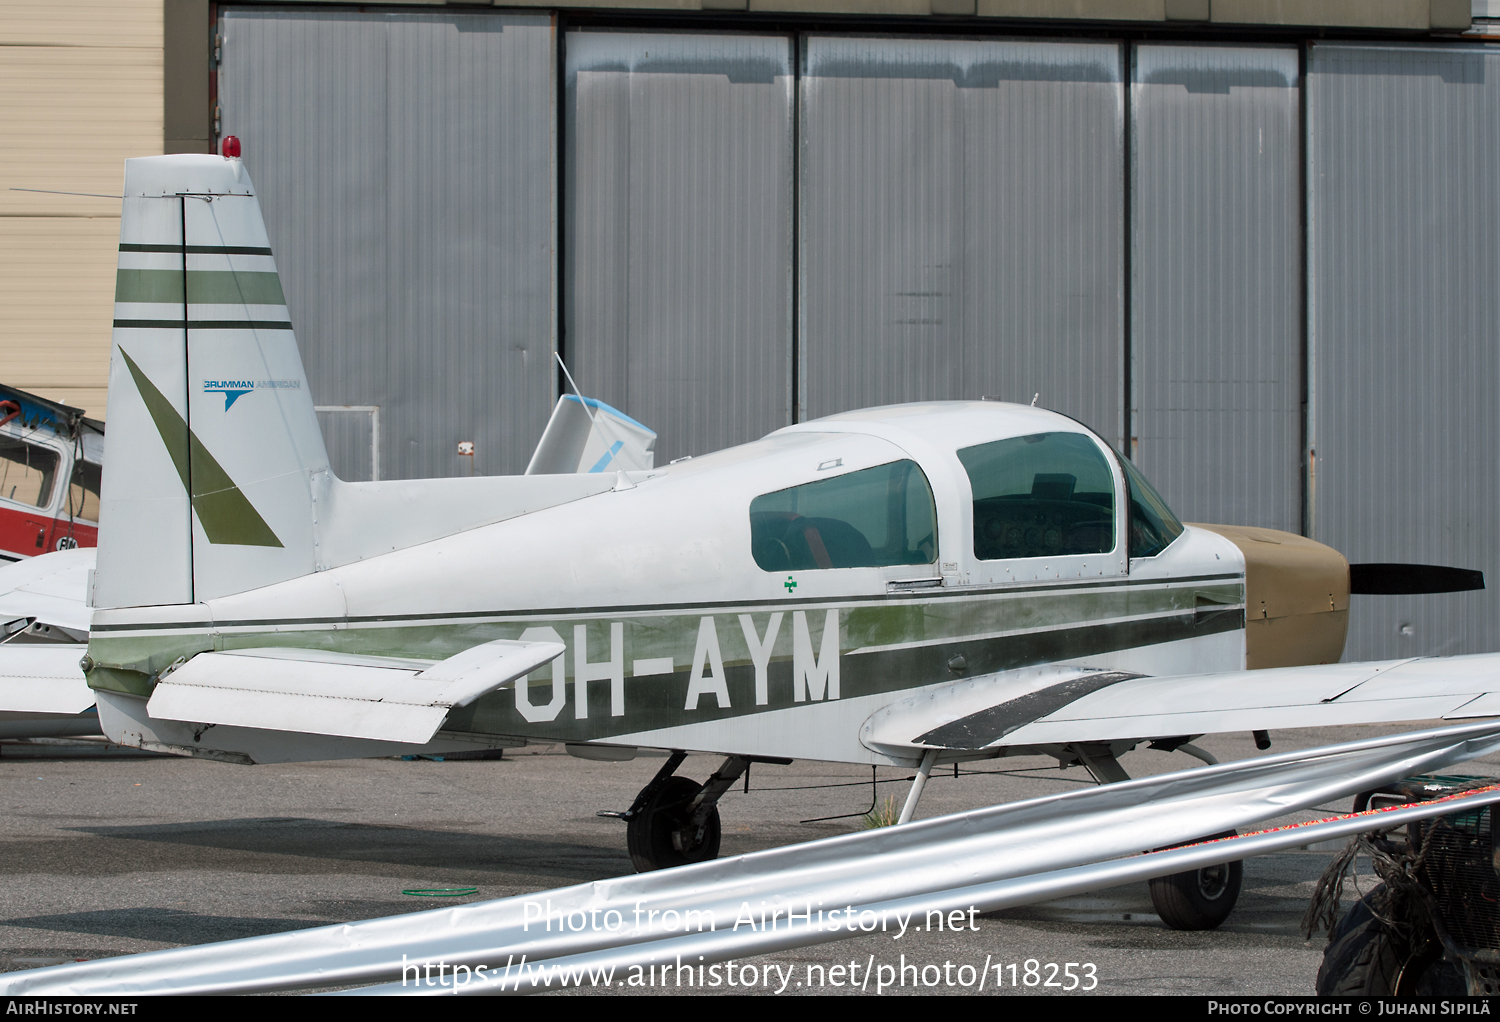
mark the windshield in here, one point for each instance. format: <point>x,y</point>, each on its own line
<point>1042,495</point>
<point>1153,526</point>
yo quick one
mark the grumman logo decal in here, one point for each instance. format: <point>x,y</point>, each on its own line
<point>233,390</point>
<point>226,514</point>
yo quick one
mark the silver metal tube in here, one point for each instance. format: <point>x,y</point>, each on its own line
<point>924,862</point>
<point>721,946</point>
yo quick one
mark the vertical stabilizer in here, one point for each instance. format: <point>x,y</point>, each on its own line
<point>585,435</point>
<point>213,449</point>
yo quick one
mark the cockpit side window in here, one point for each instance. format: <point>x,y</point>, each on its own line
<point>27,472</point>
<point>867,519</point>
<point>1043,495</point>
<point>83,491</point>
<point>1153,526</point>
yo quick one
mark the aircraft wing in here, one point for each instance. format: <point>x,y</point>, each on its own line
<point>44,619</point>
<point>1059,705</point>
<point>46,596</point>
<point>585,435</point>
<point>319,692</point>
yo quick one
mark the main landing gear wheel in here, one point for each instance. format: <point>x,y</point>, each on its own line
<point>1199,899</point>
<point>661,833</point>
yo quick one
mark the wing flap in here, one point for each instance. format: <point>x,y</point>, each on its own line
<point>351,696</point>
<point>1268,718</point>
<point>1487,705</point>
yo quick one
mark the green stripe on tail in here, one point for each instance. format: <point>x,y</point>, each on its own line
<point>205,287</point>
<point>226,514</point>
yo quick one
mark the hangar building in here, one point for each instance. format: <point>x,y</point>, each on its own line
<point>1253,243</point>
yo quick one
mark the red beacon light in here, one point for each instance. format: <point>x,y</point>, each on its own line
<point>231,147</point>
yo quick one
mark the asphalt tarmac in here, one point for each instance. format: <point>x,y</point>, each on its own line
<point>110,856</point>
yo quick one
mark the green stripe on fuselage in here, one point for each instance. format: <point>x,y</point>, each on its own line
<point>205,287</point>
<point>994,631</point>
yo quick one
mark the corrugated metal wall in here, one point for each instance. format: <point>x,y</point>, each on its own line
<point>1216,270</point>
<point>959,210</point>
<point>430,141</point>
<point>679,209</point>
<point>961,224</point>
<point>1405,312</point>
<point>349,434</point>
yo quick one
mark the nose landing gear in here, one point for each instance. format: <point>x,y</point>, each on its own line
<point>1197,899</point>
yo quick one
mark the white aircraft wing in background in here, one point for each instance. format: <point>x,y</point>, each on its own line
<point>45,621</point>
<point>46,596</point>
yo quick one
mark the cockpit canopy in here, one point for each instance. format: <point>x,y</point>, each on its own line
<point>1041,493</point>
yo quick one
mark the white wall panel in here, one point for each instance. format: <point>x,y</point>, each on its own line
<point>961,224</point>
<point>679,188</point>
<point>1404,156</point>
<point>406,167</point>
<point>1216,278</point>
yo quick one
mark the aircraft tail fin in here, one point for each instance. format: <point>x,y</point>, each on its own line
<point>589,436</point>
<point>213,449</point>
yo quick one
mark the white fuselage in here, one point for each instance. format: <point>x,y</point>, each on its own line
<point>678,636</point>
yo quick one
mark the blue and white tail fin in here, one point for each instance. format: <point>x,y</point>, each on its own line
<point>585,435</point>
<point>213,449</point>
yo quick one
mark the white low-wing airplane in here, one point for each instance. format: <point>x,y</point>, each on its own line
<point>909,585</point>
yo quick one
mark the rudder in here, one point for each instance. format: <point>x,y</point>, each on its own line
<point>213,453</point>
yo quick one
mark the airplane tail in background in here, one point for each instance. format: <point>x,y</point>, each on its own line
<point>214,450</point>
<point>588,436</point>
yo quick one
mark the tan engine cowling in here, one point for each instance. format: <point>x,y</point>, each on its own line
<point>1296,597</point>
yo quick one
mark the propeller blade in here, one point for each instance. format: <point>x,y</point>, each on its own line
<point>1411,579</point>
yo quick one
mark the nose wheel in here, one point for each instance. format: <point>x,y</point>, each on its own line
<point>1198,899</point>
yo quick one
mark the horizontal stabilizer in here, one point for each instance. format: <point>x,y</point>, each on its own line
<point>1060,705</point>
<point>318,692</point>
<point>43,678</point>
<point>43,693</point>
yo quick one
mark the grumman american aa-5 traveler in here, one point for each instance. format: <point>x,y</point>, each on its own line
<point>913,585</point>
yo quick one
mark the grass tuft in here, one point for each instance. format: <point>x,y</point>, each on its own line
<point>884,814</point>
